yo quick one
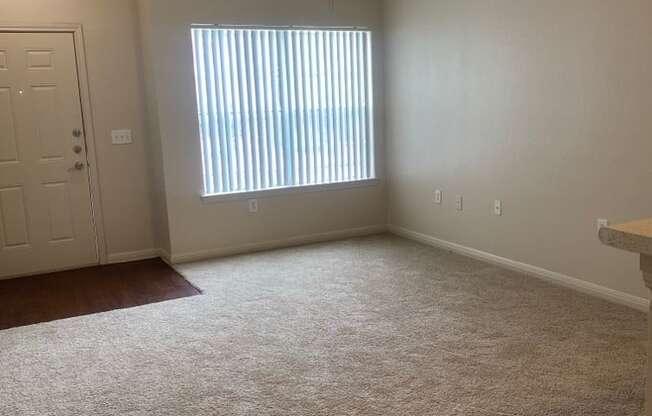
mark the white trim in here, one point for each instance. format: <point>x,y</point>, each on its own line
<point>42,28</point>
<point>583,286</point>
<point>87,116</point>
<point>280,27</point>
<point>274,244</point>
<point>270,193</point>
<point>91,148</point>
<point>128,256</point>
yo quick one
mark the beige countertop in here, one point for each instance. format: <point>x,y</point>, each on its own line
<point>635,236</point>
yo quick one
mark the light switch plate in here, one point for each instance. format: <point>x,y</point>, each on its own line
<point>438,196</point>
<point>121,137</point>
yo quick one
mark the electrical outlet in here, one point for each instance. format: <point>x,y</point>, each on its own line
<point>253,206</point>
<point>601,223</point>
<point>459,203</point>
<point>498,208</point>
<point>438,197</point>
<point>121,137</point>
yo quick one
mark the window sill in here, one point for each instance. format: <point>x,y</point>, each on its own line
<point>274,192</point>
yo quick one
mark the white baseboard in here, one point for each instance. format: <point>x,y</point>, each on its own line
<point>150,253</point>
<point>165,255</point>
<point>583,286</point>
<point>274,244</point>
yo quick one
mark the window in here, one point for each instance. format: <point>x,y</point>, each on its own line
<point>283,108</point>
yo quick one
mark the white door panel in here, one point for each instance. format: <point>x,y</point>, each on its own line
<point>46,218</point>
<point>12,204</point>
<point>8,146</point>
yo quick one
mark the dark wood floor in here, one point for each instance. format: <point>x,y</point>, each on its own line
<point>49,297</point>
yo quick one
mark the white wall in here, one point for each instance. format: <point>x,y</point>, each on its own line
<point>115,78</point>
<point>197,227</point>
<point>543,104</point>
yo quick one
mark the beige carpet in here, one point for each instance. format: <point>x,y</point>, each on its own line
<point>373,326</point>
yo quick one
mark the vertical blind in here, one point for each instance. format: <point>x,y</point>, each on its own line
<point>283,108</point>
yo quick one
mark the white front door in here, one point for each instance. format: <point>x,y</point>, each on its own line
<point>46,220</point>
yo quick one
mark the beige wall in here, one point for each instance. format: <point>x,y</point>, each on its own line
<point>155,151</point>
<point>543,104</point>
<point>198,227</point>
<point>113,62</point>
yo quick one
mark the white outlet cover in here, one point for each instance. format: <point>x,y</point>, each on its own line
<point>498,208</point>
<point>119,137</point>
<point>602,223</point>
<point>253,206</point>
<point>459,202</point>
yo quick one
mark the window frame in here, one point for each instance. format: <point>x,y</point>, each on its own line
<point>212,198</point>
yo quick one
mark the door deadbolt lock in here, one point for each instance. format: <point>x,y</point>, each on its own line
<point>77,149</point>
<point>76,133</point>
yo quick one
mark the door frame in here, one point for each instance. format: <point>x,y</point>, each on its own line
<point>87,120</point>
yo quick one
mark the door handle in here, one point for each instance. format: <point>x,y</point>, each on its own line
<point>78,166</point>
